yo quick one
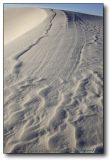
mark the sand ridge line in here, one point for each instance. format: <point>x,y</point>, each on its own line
<point>84,41</point>
<point>18,21</point>
<point>19,64</point>
<point>18,55</point>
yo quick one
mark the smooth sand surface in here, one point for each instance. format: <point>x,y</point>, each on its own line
<point>53,82</point>
<point>18,21</point>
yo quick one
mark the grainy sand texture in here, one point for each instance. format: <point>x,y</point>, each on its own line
<point>53,81</point>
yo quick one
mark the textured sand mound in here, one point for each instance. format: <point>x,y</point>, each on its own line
<point>53,84</point>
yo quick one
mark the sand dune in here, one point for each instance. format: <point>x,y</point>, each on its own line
<point>19,21</point>
<point>53,82</point>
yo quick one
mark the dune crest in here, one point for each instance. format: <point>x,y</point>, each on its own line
<point>18,21</point>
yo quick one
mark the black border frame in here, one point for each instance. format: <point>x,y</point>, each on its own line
<point>104,96</point>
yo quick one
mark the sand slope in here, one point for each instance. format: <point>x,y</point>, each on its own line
<point>53,86</point>
<point>19,21</point>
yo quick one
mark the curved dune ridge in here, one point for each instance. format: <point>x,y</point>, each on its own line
<point>53,82</point>
<point>18,21</point>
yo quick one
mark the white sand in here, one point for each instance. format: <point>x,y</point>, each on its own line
<point>17,21</point>
<point>53,82</point>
